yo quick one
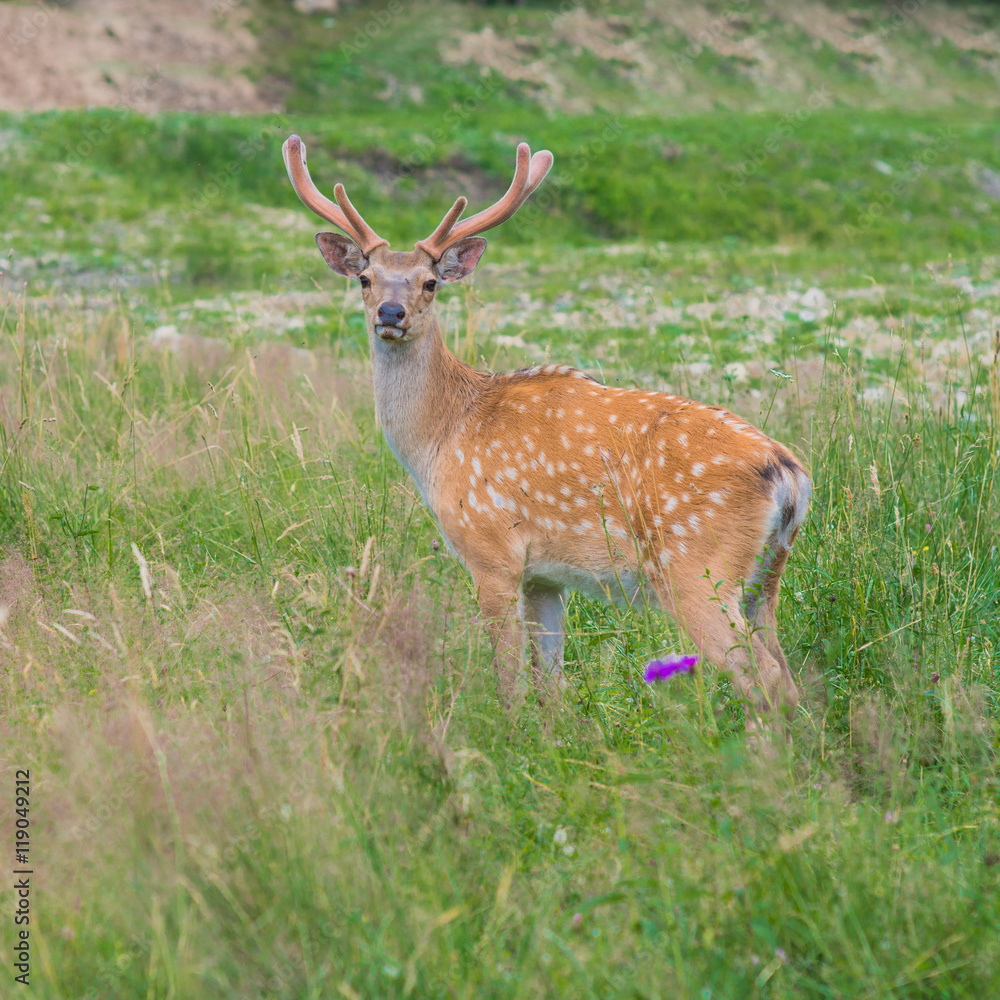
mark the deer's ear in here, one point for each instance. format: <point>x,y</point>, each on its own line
<point>460,258</point>
<point>342,254</point>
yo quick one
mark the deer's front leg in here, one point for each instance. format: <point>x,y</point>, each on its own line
<point>545,611</point>
<point>502,606</point>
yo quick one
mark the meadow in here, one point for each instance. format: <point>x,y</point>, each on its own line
<point>267,751</point>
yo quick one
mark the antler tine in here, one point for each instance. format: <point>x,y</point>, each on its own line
<point>369,239</point>
<point>541,164</point>
<point>528,174</point>
<point>294,154</point>
<point>435,243</point>
<point>504,208</point>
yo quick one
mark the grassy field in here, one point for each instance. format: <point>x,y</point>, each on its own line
<point>251,684</point>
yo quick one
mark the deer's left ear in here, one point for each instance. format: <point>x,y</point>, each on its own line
<point>460,258</point>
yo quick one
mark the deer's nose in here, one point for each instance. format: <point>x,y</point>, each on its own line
<point>391,314</point>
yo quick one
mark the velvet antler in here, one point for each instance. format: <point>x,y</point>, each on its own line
<point>343,215</point>
<point>528,174</point>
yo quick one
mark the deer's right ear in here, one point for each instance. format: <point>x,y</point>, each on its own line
<point>342,254</point>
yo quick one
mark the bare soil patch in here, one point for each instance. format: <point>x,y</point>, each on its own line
<point>185,55</point>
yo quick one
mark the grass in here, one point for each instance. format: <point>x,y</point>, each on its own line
<point>285,747</point>
<point>250,682</point>
<point>580,57</point>
<point>202,201</point>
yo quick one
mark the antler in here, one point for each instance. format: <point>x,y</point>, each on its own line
<point>343,215</point>
<point>528,174</point>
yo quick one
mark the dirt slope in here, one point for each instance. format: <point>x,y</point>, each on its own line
<point>148,55</point>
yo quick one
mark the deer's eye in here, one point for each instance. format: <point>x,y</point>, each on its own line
<point>365,280</point>
<point>430,285</point>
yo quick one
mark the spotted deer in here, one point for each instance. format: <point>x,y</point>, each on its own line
<point>544,479</point>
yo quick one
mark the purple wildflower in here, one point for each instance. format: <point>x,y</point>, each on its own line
<point>927,527</point>
<point>660,670</point>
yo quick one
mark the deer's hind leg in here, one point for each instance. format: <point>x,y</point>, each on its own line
<point>760,602</point>
<point>713,616</point>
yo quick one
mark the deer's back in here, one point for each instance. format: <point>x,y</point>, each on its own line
<point>549,467</point>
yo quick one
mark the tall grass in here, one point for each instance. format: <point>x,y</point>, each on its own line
<point>264,730</point>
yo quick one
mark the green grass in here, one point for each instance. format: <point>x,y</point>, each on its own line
<point>267,752</point>
<point>296,773</point>
<point>202,201</point>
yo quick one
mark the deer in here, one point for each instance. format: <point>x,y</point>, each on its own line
<point>545,480</point>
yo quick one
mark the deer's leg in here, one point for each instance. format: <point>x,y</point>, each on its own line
<point>502,606</point>
<point>545,611</point>
<point>713,617</point>
<point>760,600</point>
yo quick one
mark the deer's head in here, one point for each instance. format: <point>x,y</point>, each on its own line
<point>399,288</point>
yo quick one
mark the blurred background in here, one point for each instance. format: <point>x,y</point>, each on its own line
<point>249,680</point>
<point>838,127</point>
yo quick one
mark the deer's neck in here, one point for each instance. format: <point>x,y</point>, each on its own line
<point>423,395</point>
